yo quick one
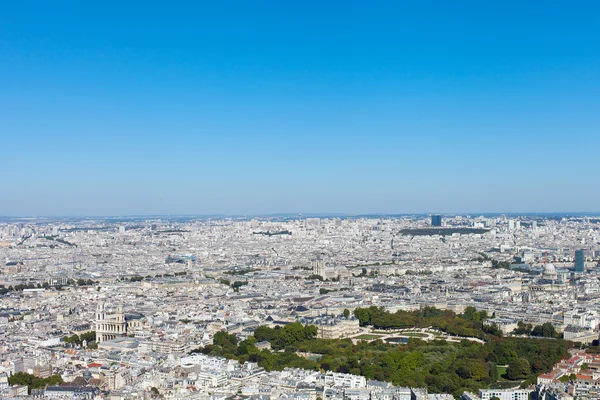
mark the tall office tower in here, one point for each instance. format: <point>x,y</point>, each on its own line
<point>511,224</point>
<point>579,261</point>
<point>436,220</point>
<point>121,229</point>
<point>534,225</point>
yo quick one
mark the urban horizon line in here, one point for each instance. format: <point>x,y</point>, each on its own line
<point>308,214</point>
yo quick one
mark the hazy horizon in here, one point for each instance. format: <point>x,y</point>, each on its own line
<point>308,215</point>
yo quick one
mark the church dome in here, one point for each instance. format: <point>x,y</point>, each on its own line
<point>550,272</point>
<point>549,269</point>
<point>87,375</point>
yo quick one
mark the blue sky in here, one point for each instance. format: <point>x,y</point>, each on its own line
<point>244,107</point>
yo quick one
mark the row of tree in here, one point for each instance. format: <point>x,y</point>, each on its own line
<point>86,282</point>
<point>544,330</point>
<point>22,286</point>
<point>45,285</point>
<point>467,324</point>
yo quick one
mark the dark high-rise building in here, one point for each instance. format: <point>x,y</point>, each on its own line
<point>579,261</point>
<point>436,220</point>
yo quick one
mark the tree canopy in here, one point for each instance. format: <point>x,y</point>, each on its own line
<point>518,368</point>
<point>23,378</point>
<point>442,367</point>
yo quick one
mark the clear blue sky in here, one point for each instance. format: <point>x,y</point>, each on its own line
<point>242,107</point>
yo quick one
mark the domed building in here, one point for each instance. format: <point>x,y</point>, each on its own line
<point>550,272</point>
<point>549,280</point>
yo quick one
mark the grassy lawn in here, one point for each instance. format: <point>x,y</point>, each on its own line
<point>501,371</point>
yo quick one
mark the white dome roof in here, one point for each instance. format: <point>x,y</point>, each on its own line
<point>549,269</point>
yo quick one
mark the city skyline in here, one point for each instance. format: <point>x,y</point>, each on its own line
<point>299,216</point>
<point>239,109</point>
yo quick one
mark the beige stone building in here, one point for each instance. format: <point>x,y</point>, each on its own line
<point>119,324</point>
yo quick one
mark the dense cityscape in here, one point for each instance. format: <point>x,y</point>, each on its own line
<point>299,200</point>
<point>307,308</point>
